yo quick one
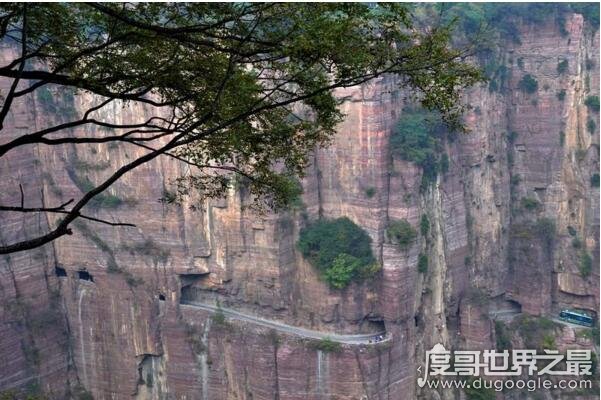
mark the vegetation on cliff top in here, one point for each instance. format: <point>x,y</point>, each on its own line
<point>339,249</point>
<point>504,18</point>
<point>484,24</point>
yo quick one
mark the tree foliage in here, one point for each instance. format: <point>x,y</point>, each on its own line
<point>227,88</point>
<point>342,271</point>
<point>530,204</point>
<point>585,264</point>
<point>528,84</point>
<point>504,18</point>
<point>326,345</point>
<point>562,67</point>
<point>592,102</point>
<point>339,249</point>
<point>401,232</point>
<point>422,263</point>
<point>533,330</point>
<point>424,225</point>
<point>417,138</point>
<point>595,180</point>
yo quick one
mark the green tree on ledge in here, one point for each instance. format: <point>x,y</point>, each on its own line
<point>417,138</point>
<point>401,232</point>
<point>339,249</point>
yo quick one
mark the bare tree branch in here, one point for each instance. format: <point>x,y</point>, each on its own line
<point>11,93</point>
<point>36,209</point>
<point>39,136</point>
<point>61,210</point>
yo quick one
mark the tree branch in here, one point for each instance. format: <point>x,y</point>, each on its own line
<point>61,210</point>
<point>11,93</point>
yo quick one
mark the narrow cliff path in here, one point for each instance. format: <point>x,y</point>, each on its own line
<point>369,338</point>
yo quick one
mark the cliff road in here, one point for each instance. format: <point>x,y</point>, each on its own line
<point>289,329</point>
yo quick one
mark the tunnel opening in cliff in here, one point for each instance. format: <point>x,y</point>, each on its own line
<point>376,325</point>
<point>514,306</point>
<point>190,294</point>
<point>60,272</point>
<point>84,275</point>
<point>503,308</point>
<point>191,286</point>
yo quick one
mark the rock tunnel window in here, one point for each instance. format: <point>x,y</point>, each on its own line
<point>189,291</point>
<point>161,297</point>
<point>377,326</point>
<point>514,306</point>
<point>85,276</point>
<point>60,272</point>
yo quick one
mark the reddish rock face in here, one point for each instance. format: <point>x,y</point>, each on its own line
<point>117,339</point>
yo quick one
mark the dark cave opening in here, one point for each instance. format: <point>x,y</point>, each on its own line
<point>161,297</point>
<point>60,272</point>
<point>514,306</point>
<point>377,326</point>
<point>85,276</point>
<point>189,291</point>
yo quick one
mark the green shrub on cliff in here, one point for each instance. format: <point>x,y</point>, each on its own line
<point>502,336</point>
<point>528,84</point>
<point>401,232</point>
<point>326,345</point>
<point>591,126</point>
<point>342,271</point>
<point>504,18</point>
<point>545,230</point>
<point>339,249</point>
<point>424,225</point>
<point>422,263</point>
<point>562,67</point>
<point>416,138</point>
<point>537,332</point>
<point>592,102</point>
<point>530,204</point>
<point>585,264</point>
<point>413,138</point>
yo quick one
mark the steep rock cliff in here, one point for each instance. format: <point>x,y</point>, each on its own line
<point>101,309</point>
